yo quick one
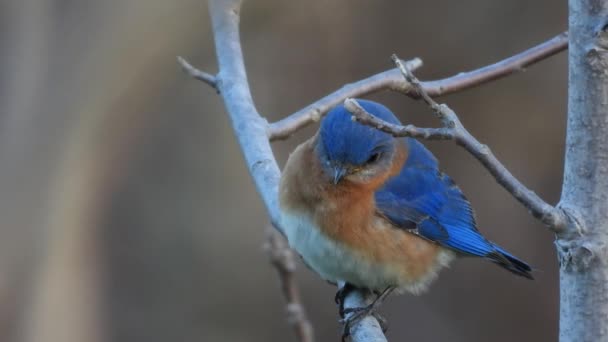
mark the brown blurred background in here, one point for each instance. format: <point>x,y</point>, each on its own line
<point>126,210</point>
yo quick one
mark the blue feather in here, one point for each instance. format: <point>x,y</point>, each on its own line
<point>420,197</point>
<point>355,142</point>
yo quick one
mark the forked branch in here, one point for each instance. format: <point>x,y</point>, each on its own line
<point>454,130</point>
<point>392,80</point>
<point>197,74</point>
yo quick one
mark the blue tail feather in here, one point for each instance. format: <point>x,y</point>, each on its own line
<point>510,262</point>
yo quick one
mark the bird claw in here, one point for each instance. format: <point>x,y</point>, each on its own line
<point>341,295</point>
<point>382,321</point>
<point>352,316</point>
<point>357,314</point>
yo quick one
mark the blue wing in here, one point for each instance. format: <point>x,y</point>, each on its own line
<point>427,201</point>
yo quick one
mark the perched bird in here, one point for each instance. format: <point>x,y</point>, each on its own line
<point>367,209</point>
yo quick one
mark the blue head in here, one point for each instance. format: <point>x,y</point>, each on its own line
<point>348,149</point>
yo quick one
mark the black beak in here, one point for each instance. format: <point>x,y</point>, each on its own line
<point>339,173</point>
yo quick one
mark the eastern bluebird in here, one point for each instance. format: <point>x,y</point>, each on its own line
<point>367,209</point>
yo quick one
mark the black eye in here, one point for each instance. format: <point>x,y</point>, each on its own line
<point>374,158</point>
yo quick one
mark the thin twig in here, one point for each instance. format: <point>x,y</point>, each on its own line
<point>454,130</point>
<point>505,67</point>
<point>284,128</point>
<point>197,74</point>
<point>282,258</point>
<point>362,116</point>
<point>392,80</point>
<point>419,89</point>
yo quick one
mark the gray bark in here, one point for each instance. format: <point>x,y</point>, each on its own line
<point>582,251</point>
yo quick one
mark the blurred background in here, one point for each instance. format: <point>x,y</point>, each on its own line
<point>126,210</point>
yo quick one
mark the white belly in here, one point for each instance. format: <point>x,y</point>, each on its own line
<point>336,262</point>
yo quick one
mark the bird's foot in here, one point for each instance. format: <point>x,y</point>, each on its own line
<point>341,295</point>
<point>355,315</point>
<point>352,316</point>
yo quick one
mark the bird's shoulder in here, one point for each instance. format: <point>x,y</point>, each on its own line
<point>423,198</point>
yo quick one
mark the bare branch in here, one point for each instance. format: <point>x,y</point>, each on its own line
<point>197,74</point>
<point>498,70</point>
<point>454,130</point>
<point>249,127</point>
<point>251,130</point>
<point>418,88</point>
<point>392,80</point>
<point>282,258</point>
<point>362,116</point>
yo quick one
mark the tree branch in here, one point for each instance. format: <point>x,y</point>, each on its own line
<point>583,251</point>
<point>282,258</point>
<point>251,131</point>
<point>365,118</point>
<point>197,74</point>
<point>454,130</point>
<point>392,80</point>
<point>249,127</point>
<point>497,70</point>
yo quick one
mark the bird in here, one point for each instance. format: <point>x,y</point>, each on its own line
<point>375,212</point>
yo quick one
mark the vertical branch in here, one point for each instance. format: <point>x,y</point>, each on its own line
<point>282,258</point>
<point>251,129</point>
<point>583,253</point>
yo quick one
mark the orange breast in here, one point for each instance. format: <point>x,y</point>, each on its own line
<point>346,214</point>
<point>354,223</point>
